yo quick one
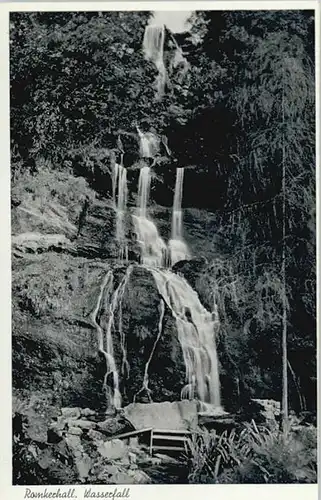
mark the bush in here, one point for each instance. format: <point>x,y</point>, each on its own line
<point>254,456</point>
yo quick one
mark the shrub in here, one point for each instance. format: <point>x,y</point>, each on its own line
<point>253,455</point>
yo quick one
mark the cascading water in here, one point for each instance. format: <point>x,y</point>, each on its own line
<point>114,305</point>
<point>196,332</point>
<point>177,247</point>
<point>196,327</point>
<point>105,345</point>
<point>149,144</point>
<point>119,180</point>
<point>114,178</point>
<point>153,46</point>
<point>145,387</point>
<point>152,247</point>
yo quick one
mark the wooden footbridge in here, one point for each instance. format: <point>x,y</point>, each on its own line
<point>160,440</point>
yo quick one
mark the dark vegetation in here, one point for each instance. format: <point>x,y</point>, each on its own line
<point>243,121</point>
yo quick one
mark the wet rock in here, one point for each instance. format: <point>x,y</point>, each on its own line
<point>113,450</point>
<point>190,269</point>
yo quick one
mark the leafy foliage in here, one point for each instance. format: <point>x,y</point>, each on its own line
<point>253,455</point>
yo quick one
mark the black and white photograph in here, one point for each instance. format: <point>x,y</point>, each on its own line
<point>163,246</point>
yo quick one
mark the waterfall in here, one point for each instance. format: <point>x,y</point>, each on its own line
<point>119,180</point>
<point>177,219</point>
<point>145,387</point>
<point>114,168</point>
<point>114,399</point>
<point>152,247</point>
<point>196,333</point>
<point>143,191</point>
<point>153,46</point>
<point>177,247</point>
<point>149,144</point>
<point>114,305</point>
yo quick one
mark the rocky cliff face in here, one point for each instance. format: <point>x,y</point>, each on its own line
<point>61,254</point>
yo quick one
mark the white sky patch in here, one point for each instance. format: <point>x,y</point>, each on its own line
<point>175,21</point>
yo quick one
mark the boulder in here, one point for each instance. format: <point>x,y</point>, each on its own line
<point>132,457</point>
<point>59,424</point>
<point>87,412</point>
<point>74,445</point>
<point>83,466</point>
<point>70,413</point>
<point>113,474</point>
<point>76,431</point>
<point>180,415</point>
<point>83,424</point>
<point>115,425</point>
<point>133,442</point>
<point>138,477</point>
<point>95,435</point>
<point>46,458</point>
<point>36,427</point>
<point>270,409</point>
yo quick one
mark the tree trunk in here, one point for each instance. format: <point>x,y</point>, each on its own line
<point>284,404</point>
<point>296,386</point>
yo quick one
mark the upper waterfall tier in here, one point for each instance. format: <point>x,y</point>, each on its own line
<point>153,249</point>
<point>153,46</point>
<point>177,247</point>
<point>149,144</point>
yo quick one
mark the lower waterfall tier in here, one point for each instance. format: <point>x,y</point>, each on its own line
<point>56,296</point>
